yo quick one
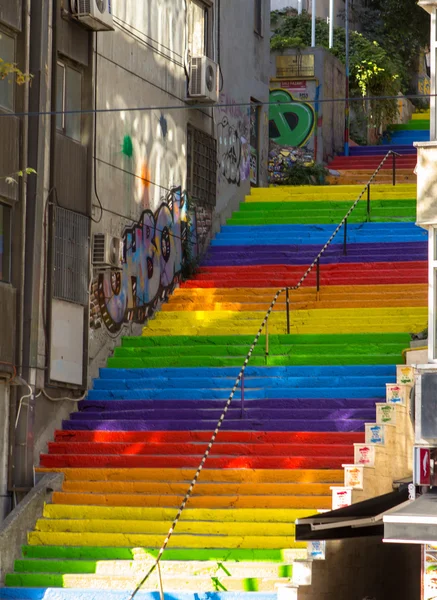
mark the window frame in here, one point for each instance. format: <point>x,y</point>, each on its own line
<point>208,28</point>
<point>65,65</point>
<point>12,83</point>
<point>6,257</point>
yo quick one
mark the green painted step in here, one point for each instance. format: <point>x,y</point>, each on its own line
<point>277,349</point>
<point>321,220</point>
<point>257,361</point>
<point>129,567</point>
<point>98,553</point>
<point>210,583</point>
<point>304,207</point>
<point>418,125</point>
<point>403,339</point>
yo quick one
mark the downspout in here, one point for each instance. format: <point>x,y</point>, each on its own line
<point>23,201</point>
<point>38,56</point>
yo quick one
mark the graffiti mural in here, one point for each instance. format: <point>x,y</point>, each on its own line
<point>153,255</point>
<point>292,128</point>
<point>233,135</point>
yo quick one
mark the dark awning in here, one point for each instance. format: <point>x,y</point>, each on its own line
<point>413,523</point>
<point>362,519</point>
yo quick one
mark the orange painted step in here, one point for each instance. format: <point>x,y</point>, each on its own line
<point>170,461</point>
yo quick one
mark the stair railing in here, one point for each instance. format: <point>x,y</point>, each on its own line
<point>240,378</point>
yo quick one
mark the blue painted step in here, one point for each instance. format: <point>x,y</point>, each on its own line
<point>291,371</point>
<point>80,594</point>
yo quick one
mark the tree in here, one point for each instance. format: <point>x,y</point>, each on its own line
<point>373,71</point>
<point>401,27</point>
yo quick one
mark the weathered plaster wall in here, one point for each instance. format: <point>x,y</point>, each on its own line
<point>366,568</point>
<point>141,155</point>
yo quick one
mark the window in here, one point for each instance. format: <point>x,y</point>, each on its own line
<point>68,97</point>
<point>7,86</point>
<point>258,27</point>
<point>201,23</point>
<point>70,256</point>
<point>201,166</point>
<point>5,243</point>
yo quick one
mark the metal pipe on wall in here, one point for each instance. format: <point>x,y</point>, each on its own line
<point>347,106</point>
<point>313,23</point>
<point>331,23</point>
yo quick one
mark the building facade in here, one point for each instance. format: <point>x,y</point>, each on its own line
<point>145,126</point>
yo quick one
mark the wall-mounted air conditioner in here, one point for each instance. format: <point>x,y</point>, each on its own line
<point>94,14</point>
<point>204,80</point>
<point>107,251</point>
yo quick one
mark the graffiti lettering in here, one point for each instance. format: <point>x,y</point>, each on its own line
<point>152,263</point>
<point>233,132</point>
<point>291,122</point>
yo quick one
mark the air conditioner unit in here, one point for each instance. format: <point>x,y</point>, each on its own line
<point>94,14</point>
<point>204,80</point>
<point>107,251</point>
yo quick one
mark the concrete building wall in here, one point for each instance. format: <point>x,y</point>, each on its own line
<point>142,155</point>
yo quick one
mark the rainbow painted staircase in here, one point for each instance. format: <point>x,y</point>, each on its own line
<point>363,160</point>
<point>130,452</point>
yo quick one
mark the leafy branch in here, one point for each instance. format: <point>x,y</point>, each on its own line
<point>13,178</point>
<point>7,69</point>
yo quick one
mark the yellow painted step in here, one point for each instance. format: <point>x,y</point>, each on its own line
<point>161,527</point>
<point>338,192</point>
<point>212,501</point>
<point>363,320</point>
<point>251,515</point>
<point>201,489</point>
<point>250,304</point>
<point>214,475</point>
<point>128,540</point>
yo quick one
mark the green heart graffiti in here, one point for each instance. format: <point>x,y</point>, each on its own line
<point>291,122</point>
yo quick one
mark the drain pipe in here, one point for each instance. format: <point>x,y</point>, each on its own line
<point>23,201</point>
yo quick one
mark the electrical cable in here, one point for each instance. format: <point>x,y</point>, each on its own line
<point>202,106</point>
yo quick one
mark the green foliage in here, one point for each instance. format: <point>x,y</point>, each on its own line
<point>300,174</point>
<point>372,70</point>
<point>401,27</point>
<point>10,69</point>
<point>12,179</point>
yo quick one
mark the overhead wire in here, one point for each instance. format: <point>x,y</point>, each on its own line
<point>201,106</point>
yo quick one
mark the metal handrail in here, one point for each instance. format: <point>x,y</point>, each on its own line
<point>240,379</point>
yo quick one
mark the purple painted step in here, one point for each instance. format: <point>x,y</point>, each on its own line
<point>299,255</point>
<point>233,413</point>
<point>309,403</point>
<point>380,150</point>
<point>209,425</point>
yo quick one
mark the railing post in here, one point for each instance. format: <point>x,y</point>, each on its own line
<point>368,202</point>
<point>394,168</point>
<point>345,238</point>
<point>287,304</point>
<point>318,275</point>
<point>267,338</point>
<point>242,395</point>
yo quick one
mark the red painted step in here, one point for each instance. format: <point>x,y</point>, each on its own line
<point>331,274</point>
<point>252,437</point>
<point>197,449</point>
<point>372,163</point>
<point>169,462</point>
